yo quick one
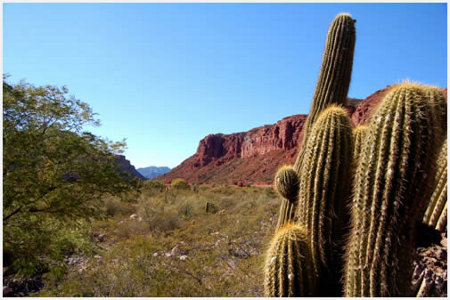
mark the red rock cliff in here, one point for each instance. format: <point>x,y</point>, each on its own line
<point>255,155</point>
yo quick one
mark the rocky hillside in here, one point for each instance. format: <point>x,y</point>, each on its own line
<point>242,157</point>
<point>252,157</point>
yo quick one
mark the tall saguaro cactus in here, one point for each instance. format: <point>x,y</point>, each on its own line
<point>335,73</point>
<point>325,185</point>
<point>394,175</point>
<point>394,159</point>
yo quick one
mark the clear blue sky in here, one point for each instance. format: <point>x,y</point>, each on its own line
<point>163,76</point>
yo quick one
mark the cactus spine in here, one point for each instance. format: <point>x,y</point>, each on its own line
<point>437,100</point>
<point>288,270</point>
<point>325,185</point>
<point>394,174</point>
<point>286,184</point>
<point>335,73</point>
<point>436,212</point>
<point>359,134</point>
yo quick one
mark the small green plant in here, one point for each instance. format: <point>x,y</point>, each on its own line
<point>211,207</point>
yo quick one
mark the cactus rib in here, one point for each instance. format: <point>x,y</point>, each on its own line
<point>359,134</point>
<point>438,201</point>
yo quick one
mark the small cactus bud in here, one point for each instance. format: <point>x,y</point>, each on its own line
<point>286,183</point>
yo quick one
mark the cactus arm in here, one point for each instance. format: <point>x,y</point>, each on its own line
<point>325,185</point>
<point>359,135</point>
<point>287,271</point>
<point>438,199</point>
<point>286,184</point>
<point>335,73</point>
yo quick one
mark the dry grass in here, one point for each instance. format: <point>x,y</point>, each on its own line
<point>173,247</point>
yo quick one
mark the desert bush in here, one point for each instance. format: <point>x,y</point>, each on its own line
<point>180,184</point>
<point>156,185</point>
<point>131,228</point>
<point>159,214</point>
<point>186,209</point>
<point>115,206</point>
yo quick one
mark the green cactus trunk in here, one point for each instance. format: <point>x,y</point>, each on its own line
<point>435,214</point>
<point>325,186</point>
<point>335,74</point>
<point>394,175</point>
<point>286,184</point>
<point>359,134</point>
<point>288,270</point>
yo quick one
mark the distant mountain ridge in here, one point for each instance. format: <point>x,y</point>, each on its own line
<point>152,171</point>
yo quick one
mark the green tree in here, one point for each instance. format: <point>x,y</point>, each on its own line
<point>55,175</point>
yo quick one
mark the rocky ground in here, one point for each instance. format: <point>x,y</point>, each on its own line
<point>430,270</point>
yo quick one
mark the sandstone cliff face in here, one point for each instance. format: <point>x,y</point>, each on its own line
<point>284,135</point>
<point>242,157</point>
<point>255,155</point>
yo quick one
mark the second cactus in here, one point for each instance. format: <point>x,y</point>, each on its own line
<point>394,175</point>
<point>325,185</point>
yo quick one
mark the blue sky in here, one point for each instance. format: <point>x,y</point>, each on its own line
<point>163,76</point>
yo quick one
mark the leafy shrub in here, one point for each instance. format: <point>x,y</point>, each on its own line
<point>55,175</point>
<point>156,185</point>
<point>180,184</point>
<point>115,206</point>
<point>186,209</point>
